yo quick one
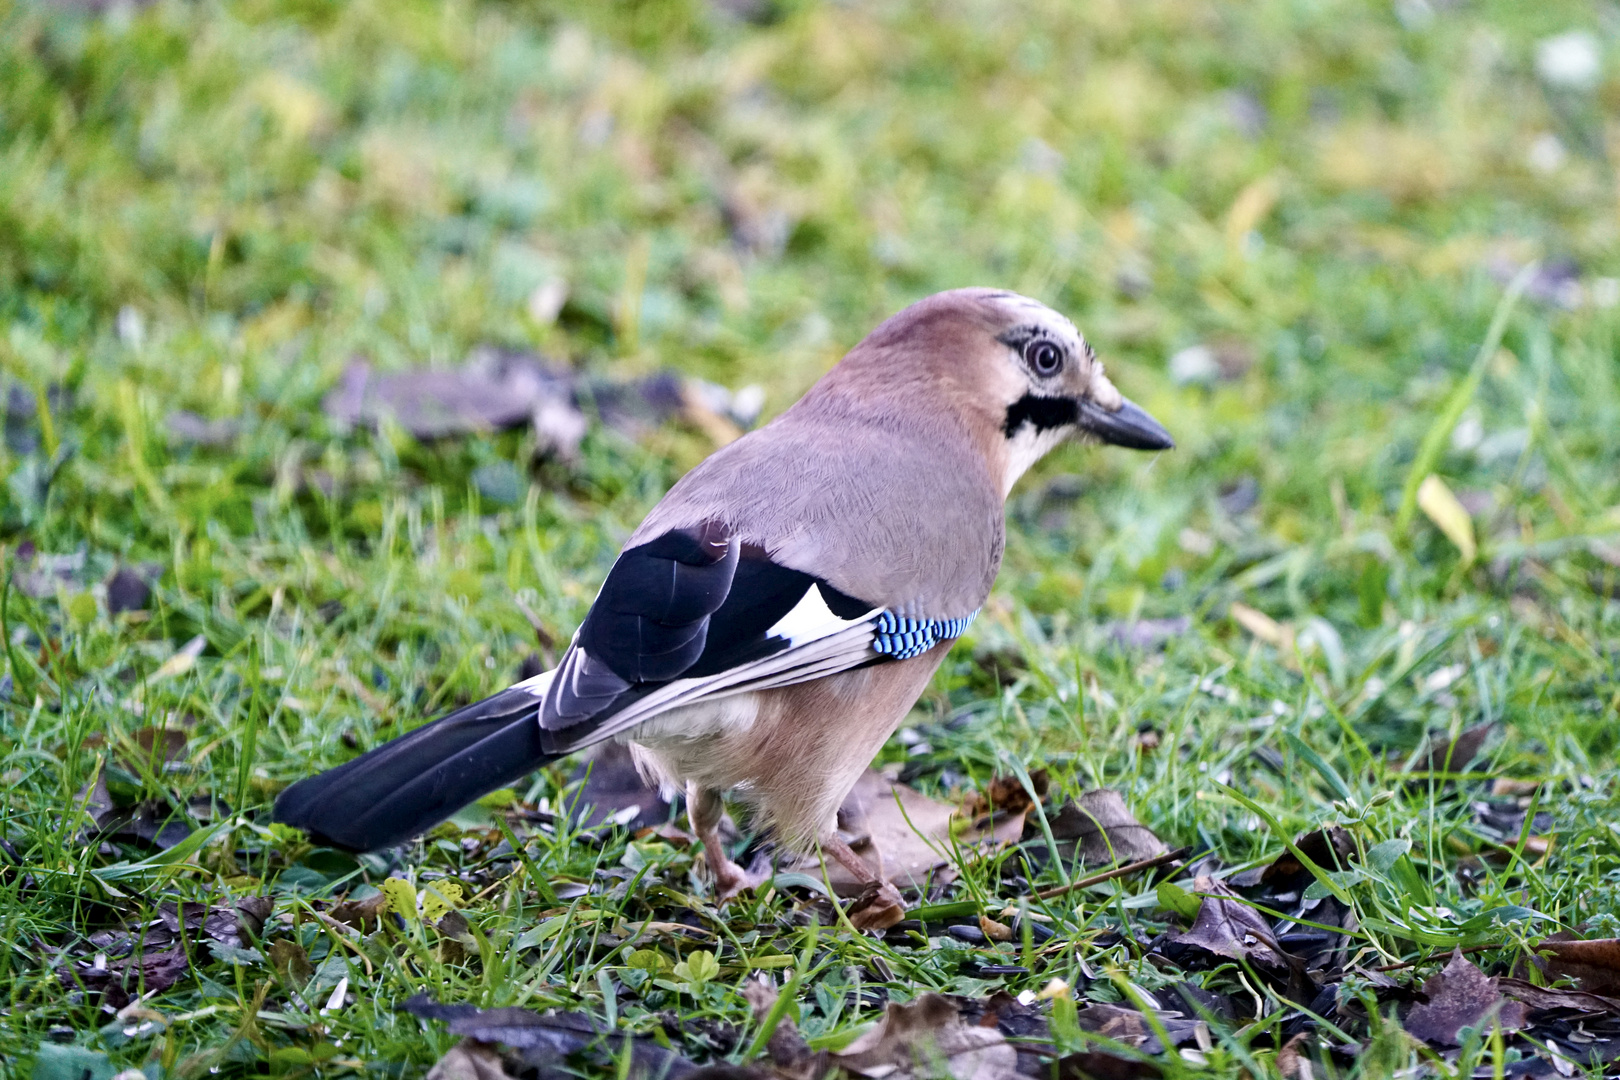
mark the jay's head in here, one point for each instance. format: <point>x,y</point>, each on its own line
<point>1015,372</point>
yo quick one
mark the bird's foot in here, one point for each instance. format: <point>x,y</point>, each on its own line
<point>730,880</point>
<point>878,908</point>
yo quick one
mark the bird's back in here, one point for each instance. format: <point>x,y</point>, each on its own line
<point>894,509</point>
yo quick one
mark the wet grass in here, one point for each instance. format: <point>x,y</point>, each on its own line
<point>1314,209</point>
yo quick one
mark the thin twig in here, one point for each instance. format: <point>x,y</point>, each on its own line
<point>1110,875</point>
<point>1439,956</point>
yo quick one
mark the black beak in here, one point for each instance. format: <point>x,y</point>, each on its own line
<point>1129,427</point>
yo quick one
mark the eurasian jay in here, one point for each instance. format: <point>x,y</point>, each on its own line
<point>775,617</point>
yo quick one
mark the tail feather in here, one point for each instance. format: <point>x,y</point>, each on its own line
<point>407,786</point>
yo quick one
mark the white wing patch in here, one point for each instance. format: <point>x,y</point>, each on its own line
<point>843,644</point>
<point>810,619</point>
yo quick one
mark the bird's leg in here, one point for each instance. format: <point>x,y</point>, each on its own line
<point>704,808</point>
<point>879,906</point>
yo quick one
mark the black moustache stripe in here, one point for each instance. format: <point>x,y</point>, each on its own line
<point>1045,413</point>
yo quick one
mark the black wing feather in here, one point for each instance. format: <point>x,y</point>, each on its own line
<point>690,604</point>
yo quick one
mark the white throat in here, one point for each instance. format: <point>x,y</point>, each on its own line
<point>1025,448</point>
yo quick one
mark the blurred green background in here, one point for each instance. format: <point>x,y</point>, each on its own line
<point>1285,226</point>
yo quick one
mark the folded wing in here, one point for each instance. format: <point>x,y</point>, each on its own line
<point>695,614</point>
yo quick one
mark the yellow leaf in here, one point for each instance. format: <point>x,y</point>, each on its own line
<point>1250,207</point>
<point>1435,499</point>
<point>182,661</point>
<point>439,899</point>
<point>401,897</point>
<point>1261,625</point>
<point>299,109</point>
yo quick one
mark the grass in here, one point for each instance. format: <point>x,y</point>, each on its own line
<point>214,206</point>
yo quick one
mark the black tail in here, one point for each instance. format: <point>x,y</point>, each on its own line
<point>407,786</point>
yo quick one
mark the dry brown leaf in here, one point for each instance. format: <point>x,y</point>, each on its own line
<point>917,1039</point>
<point>1105,829</point>
<point>1006,795</point>
<point>469,1059</point>
<point>1461,996</point>
<point>1328,848</point>
<point>1594,965</point>
<point>1098,1065</point>
<point>290,962</point>
<point>541,1040</point>
<point>1228,927</point>
<point>122,981</point>
<point>1454,755</point>
<point>906,842</point>
<point>877,908</point>
<point>1293,1060</point>
<point>502,391</point>
<point>363,914</point>
<point>790,1055</point>
<point>1546,998</point>
<point>160,746</point>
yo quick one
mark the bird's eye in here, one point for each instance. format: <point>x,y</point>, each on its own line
<point>1043,357</point>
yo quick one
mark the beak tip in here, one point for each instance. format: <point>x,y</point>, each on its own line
<point>1130,427</point>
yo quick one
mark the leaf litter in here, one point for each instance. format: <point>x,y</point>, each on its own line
<point>1246,946</point>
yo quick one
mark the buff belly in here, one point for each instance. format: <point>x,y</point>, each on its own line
<point>791,754</point>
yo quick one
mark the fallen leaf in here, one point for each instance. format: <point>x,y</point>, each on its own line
<point>877,908</point>
<point>1293,1060</point>
<point>363,914</point>
<point>120,982</point>
<point>540,1040</point>
<point>1328,848</point>
<point>903,835</point>
<point>1227,927</point>
<point>1099,1065</point>
<point>1436,501</point>
<point>790,1055</point>
<point>1006,795</point>
<point>291,962</point>
<point>1460,996</point>
<point>1263,626</point>
<point>1132,1027</point>
<point>183,660</point>
<point>160,745</point>
<point>1454,755</point>
<point>149,823</point>
<point>469,1059</point>
<point>1546,998</point>
<point>921,1038</point>
<point>1593,965</point>
<point>498,390</point>
<point>1103,828</point>
<point>235,924</point>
